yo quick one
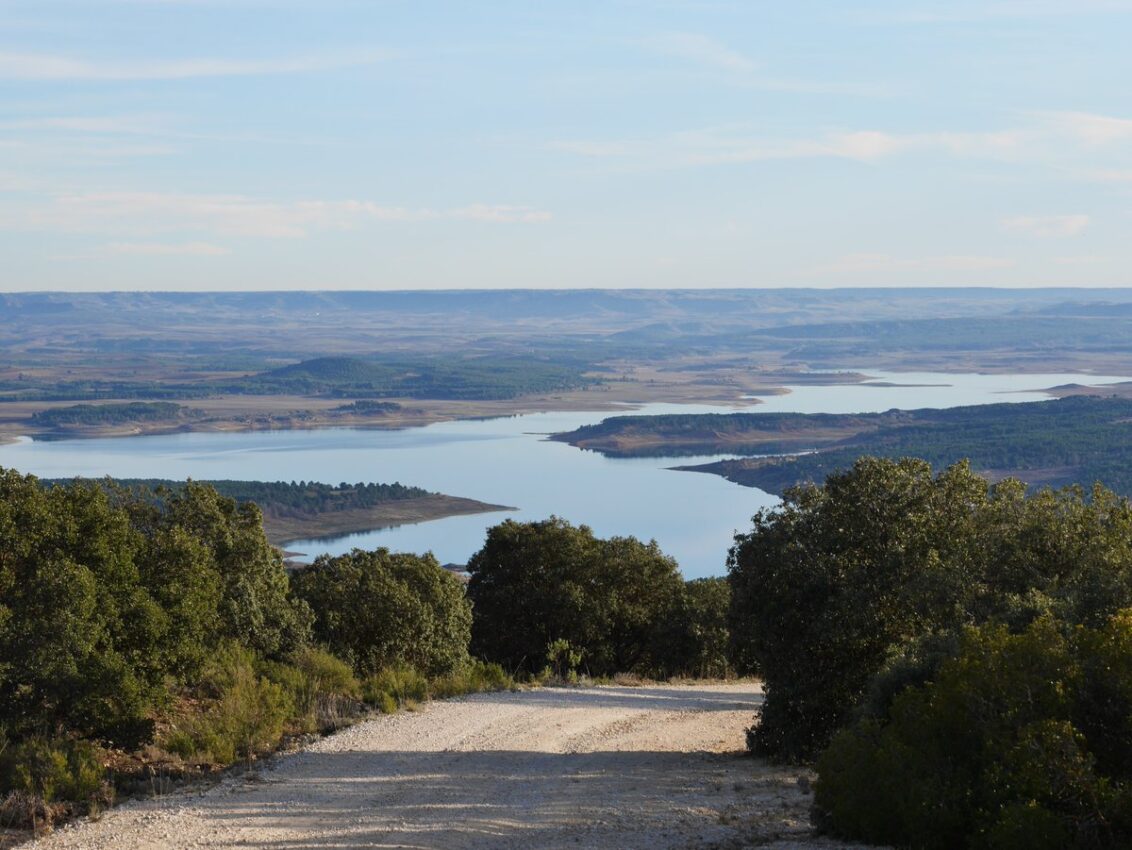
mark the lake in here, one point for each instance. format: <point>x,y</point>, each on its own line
<point>693,516</point>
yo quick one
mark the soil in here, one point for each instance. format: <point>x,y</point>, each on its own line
<point>610,767</point>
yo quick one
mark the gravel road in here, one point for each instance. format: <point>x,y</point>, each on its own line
<point>610,767</point>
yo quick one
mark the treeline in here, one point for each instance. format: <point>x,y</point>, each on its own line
<point>955,655</point>
<point>169,625</point>
<point>277,498</point>
<point>110,414</point>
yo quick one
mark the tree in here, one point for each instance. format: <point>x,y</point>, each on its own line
<point>536,583</point>
<point>840,578</point>
<point>1014,742</point>
<point>382,609</point>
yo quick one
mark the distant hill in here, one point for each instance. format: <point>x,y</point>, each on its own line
<point>426,377</point>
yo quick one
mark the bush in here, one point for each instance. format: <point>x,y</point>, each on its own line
<point>404,685</point>
<point>54,769</point>
<point>697,641</point>
<point>1008,746</point>
<point>833,583</point>
<point>108,597</point>
<point>321,688</point>
<point>478,677</point>
<point>245,715</point>
<point>539,582</point>
<point>381,609</point>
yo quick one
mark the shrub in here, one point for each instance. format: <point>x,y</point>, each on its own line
<point>245,715</point>
<point>538,582</point>
<point>833,583</point>
<point>403,685</point>
<point>53,769</point>
<point>696,640</point>
<point>381,609</point>
<point>1006,747</point>
<point>477,677</point>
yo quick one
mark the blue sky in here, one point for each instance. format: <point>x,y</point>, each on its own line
<point>342,144</point>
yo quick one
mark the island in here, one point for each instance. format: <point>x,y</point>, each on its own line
<point>308,509</point>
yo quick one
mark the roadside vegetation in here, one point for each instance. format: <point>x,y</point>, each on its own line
<point>956,656</point>
<point>147,637</point>
<point>953,657</point>
<point>143,638</point>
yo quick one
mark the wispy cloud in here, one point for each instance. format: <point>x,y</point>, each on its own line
<point>871,263</point>
<point>700,49</point>
<point>719,146</point>
<point>1089,128</point>
<point>1083,260</point>
<point>143,125</point>
<point>167,249</point>
<point>48,67</point>
<point>1046,226</point>
<point>235,215</point>
<point>963,11</point>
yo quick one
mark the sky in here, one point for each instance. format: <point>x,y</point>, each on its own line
<point>380,144</point>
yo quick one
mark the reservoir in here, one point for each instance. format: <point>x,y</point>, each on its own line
<point>692,516</point>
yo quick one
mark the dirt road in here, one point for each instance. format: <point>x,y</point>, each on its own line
<point>611,767</point>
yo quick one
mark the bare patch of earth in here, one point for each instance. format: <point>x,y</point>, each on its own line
<point>612,767</point>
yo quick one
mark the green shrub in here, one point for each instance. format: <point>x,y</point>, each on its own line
<point>53,769</point>
<point>386,703</point>
<point>534,583</point>
<point>695,641</point>
<point>381,609</point>
<point>833,583</point>
<point>995,750</point>
<point>246,714</point>
<point>402,684</point>
<point>478,677</point>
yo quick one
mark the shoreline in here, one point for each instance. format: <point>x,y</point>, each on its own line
<point>284,532</point>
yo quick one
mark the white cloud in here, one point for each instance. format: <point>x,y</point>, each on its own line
<point>166,249</point>
<point>497,213</point>
<point>1084,260</point>
<point>1046,226</point>
<point>985,10</point>
<point>1108,176</point>
<point>700,49</point>
<point>94,124</point>
<point>858,263</point>
<point>47,67</point>
<point>1089,128</point>
<point>718,146</point>
<point>234,215</point>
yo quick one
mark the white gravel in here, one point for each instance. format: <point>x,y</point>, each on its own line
<point>610,767</point>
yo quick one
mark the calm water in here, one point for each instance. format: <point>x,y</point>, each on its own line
<point>508,462</point>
